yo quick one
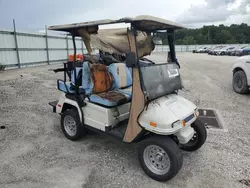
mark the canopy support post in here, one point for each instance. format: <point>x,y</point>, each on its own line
<point>171,44</point>
<point>74,46</point>
<point>133,129</point>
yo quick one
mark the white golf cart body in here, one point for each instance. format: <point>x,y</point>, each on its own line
<point>156,107</point>
<point>135,100</point>
<point>243,63</point>
<point>166,112</point>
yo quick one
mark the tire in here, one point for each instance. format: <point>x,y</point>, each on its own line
<point>222,53</point>
<point>240,82</point>
<point>71,125</point>
<point>199,138</point>
<point>166,159</point>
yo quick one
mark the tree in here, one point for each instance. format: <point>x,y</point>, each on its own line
<point>231,41</point>
<point>188,40</point>
<point>223,36</point>
<point>212,35</point>
<point>201,39</point>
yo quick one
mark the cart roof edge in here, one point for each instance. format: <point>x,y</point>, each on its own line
<point>142,22</point>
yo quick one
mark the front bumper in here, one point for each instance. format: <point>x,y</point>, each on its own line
<point>185,134</point>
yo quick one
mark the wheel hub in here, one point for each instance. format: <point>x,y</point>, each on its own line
<point>156,159</point>
<point>159,157</point>
<point>70,125</point>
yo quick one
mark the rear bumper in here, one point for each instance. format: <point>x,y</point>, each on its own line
<point>53,104</point>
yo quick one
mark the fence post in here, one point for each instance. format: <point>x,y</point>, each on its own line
<point>16,44</point>
<point>47,44</point>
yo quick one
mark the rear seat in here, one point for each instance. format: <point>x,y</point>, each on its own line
<point>108,98</point>
<point>122,83</point>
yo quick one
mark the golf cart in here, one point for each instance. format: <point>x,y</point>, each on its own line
<point>135,100</point>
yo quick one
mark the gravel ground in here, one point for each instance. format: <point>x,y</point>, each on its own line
<point>35,153</point>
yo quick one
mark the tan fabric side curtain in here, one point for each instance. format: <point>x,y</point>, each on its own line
<point>116,41</point>
<point>86,39</point>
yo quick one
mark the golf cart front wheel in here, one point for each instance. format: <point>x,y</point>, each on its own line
<point>71,125</point>
<point>198,139</point>
<point>160,157</point>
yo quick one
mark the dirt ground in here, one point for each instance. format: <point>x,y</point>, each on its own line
<point>35,153</point>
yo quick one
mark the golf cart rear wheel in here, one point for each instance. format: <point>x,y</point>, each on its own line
<point>198,139</point>
<point>160,157</point>
<point>71,125</point>
<point>240,82</point>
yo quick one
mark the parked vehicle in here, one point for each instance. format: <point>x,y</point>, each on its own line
<point>202,50</point>
<point>207,50</point>
<point>213,50</point>
<point>246,51</point>
<point>223,50</point>
<point>231,52</point>
<point>241,75</point>
<point>135,100</point>
<point>239,52</point>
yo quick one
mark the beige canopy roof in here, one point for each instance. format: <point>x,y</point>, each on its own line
<point>115,40</point>
<point>143,22</point>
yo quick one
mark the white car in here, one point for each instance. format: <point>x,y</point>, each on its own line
<point>201,50</point>
<point>241,75</point>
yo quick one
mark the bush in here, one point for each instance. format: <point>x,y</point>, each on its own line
<point>2,67</point>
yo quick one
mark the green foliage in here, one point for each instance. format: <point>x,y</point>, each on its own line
<point>188,40</point>
<point>212,35</point>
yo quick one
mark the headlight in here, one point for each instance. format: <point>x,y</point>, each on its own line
<point>177,124</point>
<point>196,112</point>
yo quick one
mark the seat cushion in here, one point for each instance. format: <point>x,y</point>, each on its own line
<point>126,91</point>
<point>121,74</point>
<point>110,98</point>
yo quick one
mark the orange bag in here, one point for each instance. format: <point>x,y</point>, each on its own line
<point>102,78</point>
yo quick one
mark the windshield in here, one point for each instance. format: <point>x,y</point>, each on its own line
<point>160,79</point>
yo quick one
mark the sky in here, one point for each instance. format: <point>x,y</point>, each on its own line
<point>33,15</point>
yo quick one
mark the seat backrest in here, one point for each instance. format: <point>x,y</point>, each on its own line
<point>102,79</point>
<point>87,83</point>
<point>122,75</point>
<point>96,78</point>
<point>78,72</point>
